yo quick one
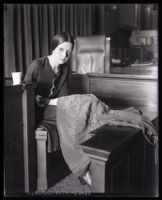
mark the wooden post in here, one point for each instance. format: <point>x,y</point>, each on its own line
<point>28,113</point>
<point>98,171</point>
<point>41,137</point>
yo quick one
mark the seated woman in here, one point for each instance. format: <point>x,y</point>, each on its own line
<point>76,115</point>
<point>51,74</point>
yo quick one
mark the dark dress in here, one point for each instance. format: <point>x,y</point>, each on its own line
<point>49,86</point>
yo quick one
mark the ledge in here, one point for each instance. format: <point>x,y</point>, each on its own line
<point>109,141</point>
<point>122,76</point>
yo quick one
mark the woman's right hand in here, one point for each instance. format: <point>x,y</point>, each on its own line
<point>39,101</point>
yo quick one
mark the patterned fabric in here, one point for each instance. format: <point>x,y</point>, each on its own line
<point>78,115</point>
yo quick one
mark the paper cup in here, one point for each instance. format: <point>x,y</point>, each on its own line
<point>16,78</point>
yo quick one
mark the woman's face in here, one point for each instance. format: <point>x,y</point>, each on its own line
<point>62,52</point>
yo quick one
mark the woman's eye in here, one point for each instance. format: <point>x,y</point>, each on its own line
<point>61,49</point>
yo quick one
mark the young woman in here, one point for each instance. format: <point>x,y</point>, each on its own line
<point>51,73</point>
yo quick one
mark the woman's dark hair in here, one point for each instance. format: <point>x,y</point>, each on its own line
<point>60,38</point>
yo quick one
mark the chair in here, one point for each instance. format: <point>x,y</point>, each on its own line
<point>91,54</point>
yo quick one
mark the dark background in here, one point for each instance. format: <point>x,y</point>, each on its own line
<point>29,28</point>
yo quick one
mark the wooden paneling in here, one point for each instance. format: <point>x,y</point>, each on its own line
<point>19,141</point>
<point>78,84</point>
<point>119,91</point>
<point>132,92</point>
<point>13,161</point>
<point>12,107</point>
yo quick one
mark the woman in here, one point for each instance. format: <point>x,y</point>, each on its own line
<point>51,73</point>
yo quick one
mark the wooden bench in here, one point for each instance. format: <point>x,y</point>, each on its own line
<point>119,92</point>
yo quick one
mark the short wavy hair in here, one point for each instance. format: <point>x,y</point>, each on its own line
<point>60,38</point>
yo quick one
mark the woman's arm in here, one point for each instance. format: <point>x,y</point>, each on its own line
<point>31,76</point>
<point>32,72</point>
<point>42,102</point>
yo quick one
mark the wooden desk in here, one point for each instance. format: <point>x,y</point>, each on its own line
<point>19,139</point>
<point>122,162</point>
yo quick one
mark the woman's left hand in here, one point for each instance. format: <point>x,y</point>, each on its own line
<point>53,102</point>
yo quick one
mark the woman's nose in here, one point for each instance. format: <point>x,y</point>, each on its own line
<point>65,54</point>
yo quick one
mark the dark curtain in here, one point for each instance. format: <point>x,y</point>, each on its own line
<point>29,28</point>
<point>147,16</point>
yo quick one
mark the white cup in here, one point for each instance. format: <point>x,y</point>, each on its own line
<point>16,78</point>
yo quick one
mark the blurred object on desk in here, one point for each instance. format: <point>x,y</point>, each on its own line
<point>140,64</point>
<point>147,42</point>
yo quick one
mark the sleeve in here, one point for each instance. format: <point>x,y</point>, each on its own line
<point>31,76</point>
<point>41,101</point>
<point>32,72</point>
<point>64,90</point>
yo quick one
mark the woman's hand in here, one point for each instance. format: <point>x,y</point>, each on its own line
<point>39,101</point>
<point>53,102</point>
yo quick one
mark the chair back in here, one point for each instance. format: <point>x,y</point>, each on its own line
<point>91,54</point>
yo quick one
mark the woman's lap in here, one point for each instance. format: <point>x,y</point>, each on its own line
<point>49,121</point>
<point>49,115</point>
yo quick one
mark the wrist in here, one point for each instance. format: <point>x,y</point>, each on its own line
<point>53,102</point>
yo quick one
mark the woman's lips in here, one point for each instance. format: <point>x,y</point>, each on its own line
<point>62,60</point>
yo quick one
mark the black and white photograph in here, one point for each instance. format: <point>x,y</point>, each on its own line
<point>81,100</point>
